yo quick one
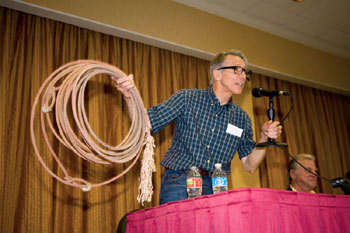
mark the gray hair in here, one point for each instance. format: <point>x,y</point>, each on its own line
<point>293,165</point>
<point>219,59</point>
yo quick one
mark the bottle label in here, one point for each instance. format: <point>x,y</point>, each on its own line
<point>194,183</point>
<point>219,181</point>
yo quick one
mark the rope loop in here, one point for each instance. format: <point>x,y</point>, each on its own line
<point>64,91</point>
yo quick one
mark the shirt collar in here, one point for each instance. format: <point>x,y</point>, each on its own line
<point>291,186</point>
<point>215,101</point>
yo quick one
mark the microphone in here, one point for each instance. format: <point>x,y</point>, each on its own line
<point>342,183</point>
<point>338,182</point>
<point>259,92</point>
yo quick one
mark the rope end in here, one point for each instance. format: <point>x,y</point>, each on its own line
<point>147,167</point>
<point>46,109</point>
<point>87,188</point>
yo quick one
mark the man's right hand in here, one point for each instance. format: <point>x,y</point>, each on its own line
<point>124,84</point>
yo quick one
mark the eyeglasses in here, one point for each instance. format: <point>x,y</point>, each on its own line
<point>237,70</point>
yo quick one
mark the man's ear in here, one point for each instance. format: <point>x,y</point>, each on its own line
<point>292,174</point>
<point>216,75</point>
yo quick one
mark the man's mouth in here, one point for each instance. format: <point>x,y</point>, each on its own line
<point>239,84</point>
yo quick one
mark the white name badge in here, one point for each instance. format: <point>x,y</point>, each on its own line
<point>234,130</point>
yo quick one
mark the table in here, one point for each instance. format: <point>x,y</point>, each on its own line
<point>247,210</point>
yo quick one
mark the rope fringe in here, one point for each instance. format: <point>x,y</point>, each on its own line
<point>147,167</point>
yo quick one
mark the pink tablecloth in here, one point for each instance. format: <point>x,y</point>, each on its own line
<point>247,211</point>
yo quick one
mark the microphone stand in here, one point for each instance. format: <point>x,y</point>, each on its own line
<point>271,142</point>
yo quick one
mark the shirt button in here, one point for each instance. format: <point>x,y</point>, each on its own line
<point>208,146</point>
<point>211,104</point>
<point>212,130</point>
<point>208,161</point>
<point>216,115</point>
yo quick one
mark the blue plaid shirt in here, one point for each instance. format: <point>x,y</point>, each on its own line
<point>200,138</point>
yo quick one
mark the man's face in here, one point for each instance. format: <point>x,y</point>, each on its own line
<point>230,81</point>
<point>302,178</point>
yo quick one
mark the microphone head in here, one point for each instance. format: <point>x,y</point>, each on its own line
<point>256,92</point>
<point>338,182</point>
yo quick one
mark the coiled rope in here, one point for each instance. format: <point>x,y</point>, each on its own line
<point>64,89</point>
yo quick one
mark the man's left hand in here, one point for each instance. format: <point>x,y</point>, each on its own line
<point>270,130</point>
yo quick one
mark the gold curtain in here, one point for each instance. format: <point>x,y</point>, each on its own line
<point>32,48</point>
<point>32,201</point>
<point>318,125</point>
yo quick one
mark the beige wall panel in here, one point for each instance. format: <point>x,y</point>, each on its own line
<point>180,24</point>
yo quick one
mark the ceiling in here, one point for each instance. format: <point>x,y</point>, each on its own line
<point>321,24</point>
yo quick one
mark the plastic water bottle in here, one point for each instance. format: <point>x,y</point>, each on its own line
<point>194,183</point>
<point>219,179</point>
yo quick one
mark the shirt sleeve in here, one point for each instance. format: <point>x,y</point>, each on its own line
<point>248,144</point>
<point>164,113</point>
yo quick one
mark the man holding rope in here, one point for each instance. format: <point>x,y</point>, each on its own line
<point>209,127</point>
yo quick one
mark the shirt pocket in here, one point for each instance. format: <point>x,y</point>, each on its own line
<point>232,144</point>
